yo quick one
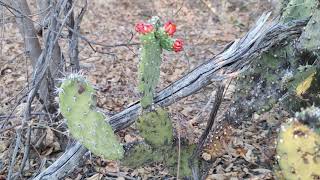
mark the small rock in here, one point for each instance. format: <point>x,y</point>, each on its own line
<point>206,156</point>
<point>129,139</point>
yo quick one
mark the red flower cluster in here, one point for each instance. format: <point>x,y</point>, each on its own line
<point>170,28</point>
<point>144,28</point>
<point>177,45</point>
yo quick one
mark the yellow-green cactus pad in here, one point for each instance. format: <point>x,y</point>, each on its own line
<point>298,152</point>
<point>85,123</point>
<point>305,84</point>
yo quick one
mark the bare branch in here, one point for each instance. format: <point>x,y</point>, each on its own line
<point>43,63</point>
<point>217,102</point>
<point>26,28</point>
<point>74,30</point>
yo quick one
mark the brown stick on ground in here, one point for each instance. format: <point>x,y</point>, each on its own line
<point>217,102</point>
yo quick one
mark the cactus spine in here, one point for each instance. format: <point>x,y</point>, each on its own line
<point>85,122</point>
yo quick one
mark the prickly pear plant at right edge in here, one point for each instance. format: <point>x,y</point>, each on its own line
<point>85,123</point>
<point>298,146</point>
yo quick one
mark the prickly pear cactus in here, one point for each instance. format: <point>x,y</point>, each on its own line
<point>159,147</point>
<point>156,128</point>
<point>153,38</point>
<point>298,9</point>
<point>139,154</point>
<point>149,67</point>
<point>85,122</point>
<point>310,38</point>
<point>298,147</point>
<point>171,160</point>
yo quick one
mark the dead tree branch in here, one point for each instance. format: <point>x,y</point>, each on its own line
<point>227,64</point>
<point>27,30</point>
<point>46,64</point>
<point>217,102</point>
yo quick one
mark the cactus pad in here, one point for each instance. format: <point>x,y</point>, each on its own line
<point>298,9</point>
<point>156,128</point>
<point>172,160</point>
<point>299,152</point>
<point>149,67</point>
<point>139,153</point>
<point>86,124</point>
<point>310,38</point>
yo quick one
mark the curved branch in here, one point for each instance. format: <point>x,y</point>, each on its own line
<point>228,63</point>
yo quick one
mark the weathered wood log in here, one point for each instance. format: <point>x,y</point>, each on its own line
<point>234,59</point>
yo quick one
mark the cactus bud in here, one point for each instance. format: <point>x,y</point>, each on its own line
<point>170,28</point>
<point>144,28</point>
<point>177,45</point>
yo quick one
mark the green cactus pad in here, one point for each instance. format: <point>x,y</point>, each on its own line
<point>139,153</point>
<point>156,128</point>
<point>298,152</point>
<point>298,9</point>
<point>172,160</point>
<point>310,38</point>
<point>149,68</point>
<point>86,124</point>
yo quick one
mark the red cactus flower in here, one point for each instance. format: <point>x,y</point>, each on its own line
<point>143,28</point>
<point>177,45</point>
<point>170,28</point>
